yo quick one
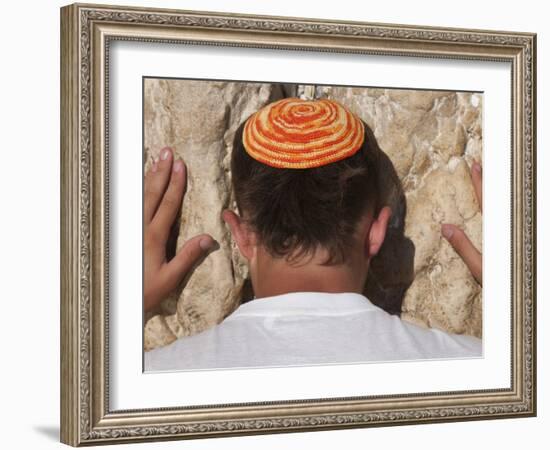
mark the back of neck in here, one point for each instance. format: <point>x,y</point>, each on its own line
<point>275,276</point>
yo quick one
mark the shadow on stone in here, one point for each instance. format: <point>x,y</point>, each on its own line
<point>391,270</point>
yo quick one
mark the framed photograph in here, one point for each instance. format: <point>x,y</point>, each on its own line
<point>278,224</point>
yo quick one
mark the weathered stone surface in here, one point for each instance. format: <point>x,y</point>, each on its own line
<point>425,141</point>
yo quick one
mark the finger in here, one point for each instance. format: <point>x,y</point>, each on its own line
<point>190,254</point>
<point>476,180</point>
<point>155,184</point>
<point>171,201</point>
<point>465,249</point>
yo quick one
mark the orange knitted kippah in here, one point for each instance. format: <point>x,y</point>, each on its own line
<point>299,134</point>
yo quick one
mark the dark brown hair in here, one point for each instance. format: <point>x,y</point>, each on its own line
<point>293,211</point>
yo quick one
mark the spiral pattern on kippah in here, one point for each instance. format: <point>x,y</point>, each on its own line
<point>299,134</point>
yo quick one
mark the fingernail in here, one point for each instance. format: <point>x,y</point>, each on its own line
<point>447,231</point>
<point>477,167</point>
<point>165,154</point>
<point>206,243</point>
<point>178,166</point>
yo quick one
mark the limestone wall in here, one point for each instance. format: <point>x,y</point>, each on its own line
<point>425,140</point>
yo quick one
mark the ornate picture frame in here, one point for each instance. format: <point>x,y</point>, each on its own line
<point>86,34</point>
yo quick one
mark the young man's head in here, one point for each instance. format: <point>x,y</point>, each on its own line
<point>305,184</point>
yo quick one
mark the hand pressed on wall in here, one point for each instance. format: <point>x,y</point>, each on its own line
<point>459,240</point>
<point>165,185</point>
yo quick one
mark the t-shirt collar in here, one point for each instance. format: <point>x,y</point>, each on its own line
<point>307,302</point>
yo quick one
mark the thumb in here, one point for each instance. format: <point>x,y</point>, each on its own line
<point>190,254</point>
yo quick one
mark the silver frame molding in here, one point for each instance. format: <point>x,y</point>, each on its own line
<point>86,31</point>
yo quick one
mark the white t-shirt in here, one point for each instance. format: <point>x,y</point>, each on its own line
<point>309,328</point>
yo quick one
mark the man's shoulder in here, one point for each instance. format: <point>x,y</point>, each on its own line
<point>441,341</point>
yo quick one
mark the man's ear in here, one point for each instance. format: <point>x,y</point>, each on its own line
<point>377,231</point>
<point>243,237</point>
